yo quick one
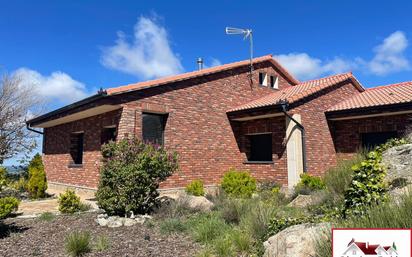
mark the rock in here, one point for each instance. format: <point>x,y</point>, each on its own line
<point>296,241</point>
<point>397,194</point>
<point>127,222</point>
<point>114,222</point>
<point>398,161</point>
<point>102,221</point>
<point>303,201</point>
<point>142,218</point>
<point>102,216</point>
<point>199,203</point>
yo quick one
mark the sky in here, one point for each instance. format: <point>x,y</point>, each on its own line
<point>70,49</point>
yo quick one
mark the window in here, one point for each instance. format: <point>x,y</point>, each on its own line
<point>274,82</point>
<point>76,147</point>
<point>370,140</point>
<point>108,134</point>
<point>153,128</point>
<point>263,79</point>
<point>260,147</point>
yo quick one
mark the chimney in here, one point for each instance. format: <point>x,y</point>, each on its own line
<point>200,63</point>
<point>367,245</point>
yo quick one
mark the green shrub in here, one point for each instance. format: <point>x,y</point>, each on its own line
<point>278,224</point>
<point>20,184</point>
<point>195,188</point>
<point>368,186</point>
<point>102,243</point>
<point>77,243</point>
<point>238,184</point>
<point>47,216</point>
<point>37,184</point>
<point>308,184</point>
<point>130,176</point>
<point>7,206</point>
<point>3,176</point>
<point>69,202</point>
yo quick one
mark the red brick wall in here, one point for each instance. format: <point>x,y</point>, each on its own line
<point>56,155</point>
<point>347,133</point>
<point>197,128</point>
<point>319,144</point>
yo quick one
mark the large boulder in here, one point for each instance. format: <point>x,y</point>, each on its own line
<point>297,241</point>
<point>200,203</point>
<point>398,161</point>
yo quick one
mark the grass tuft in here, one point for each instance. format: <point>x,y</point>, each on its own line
<point>102,243</point>
<point>47,216</point>
<point>172,225</point>
<point>77,243</point>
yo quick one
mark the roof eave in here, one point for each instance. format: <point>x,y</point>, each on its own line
<point>41,118</point>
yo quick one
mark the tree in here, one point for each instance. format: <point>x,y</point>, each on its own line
<point>18,101</point>
<point>37,184</point>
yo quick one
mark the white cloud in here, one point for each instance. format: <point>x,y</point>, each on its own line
<point>389,58</point>
<point>389,55</point>
<point>305,67</point>
<point>214,62</point>
<point>148,56</point>
<point>56,86</point>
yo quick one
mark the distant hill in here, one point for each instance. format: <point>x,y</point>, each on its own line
<point>13,169</point>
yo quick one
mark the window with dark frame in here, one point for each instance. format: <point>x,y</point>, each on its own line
<point>263,79</point>
<point>153,128</point>
<point>274,82</point>
<point>260,148</point>
<point>76,147</point>
<point>108,134</point>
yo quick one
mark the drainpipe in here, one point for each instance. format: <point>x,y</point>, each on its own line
<point>284,105</point>
<point>33,130</point>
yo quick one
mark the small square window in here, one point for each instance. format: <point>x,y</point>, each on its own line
<point>274,82</point>
<point>263,79</point>
<point>153,128</point>
<point>108,134</point>
<point>260,147</point>
<point>76,147</point>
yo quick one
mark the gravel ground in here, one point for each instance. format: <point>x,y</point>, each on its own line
<point>33,237</point>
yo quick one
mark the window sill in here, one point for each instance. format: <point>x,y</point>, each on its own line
<point>258,162</point>
<point>72,165</point>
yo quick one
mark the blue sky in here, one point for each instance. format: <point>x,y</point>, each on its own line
<point>69,49</point>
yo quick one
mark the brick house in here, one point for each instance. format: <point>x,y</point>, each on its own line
<point>268,123</point>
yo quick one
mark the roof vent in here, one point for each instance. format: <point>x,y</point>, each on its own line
<point>200,63</point>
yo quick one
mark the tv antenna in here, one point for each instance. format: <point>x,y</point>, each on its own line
<point>247,33</point>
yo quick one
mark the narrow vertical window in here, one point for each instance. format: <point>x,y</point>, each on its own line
<point>153,128</point>
<point>76,147</point>
<point>263,79</point>
<point>274,82</point>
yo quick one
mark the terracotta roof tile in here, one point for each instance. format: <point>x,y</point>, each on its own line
<point>298,92</point>
<point>193,74</point>
<point>378,96</point>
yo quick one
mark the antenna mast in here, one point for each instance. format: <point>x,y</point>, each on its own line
<point>247,34</point>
